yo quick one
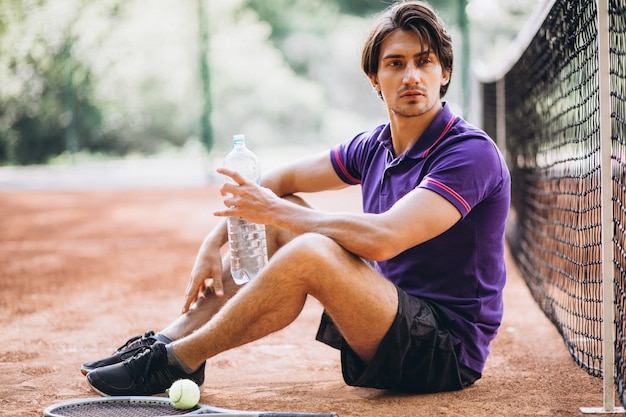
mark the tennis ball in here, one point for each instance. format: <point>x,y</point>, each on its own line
<point>184,394</point>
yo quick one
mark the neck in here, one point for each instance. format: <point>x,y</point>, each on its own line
<point>406,130</point>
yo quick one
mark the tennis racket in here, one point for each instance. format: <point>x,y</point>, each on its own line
<point>149,406</point>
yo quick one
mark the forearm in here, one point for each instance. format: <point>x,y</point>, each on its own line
<point>358,233</point>
<point>415,219</point>
<point>217,237</point>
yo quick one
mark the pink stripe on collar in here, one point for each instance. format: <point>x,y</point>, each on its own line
<point>445,131</point>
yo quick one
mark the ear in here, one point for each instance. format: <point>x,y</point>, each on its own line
<point>374,82</point>
<point>445,77</point>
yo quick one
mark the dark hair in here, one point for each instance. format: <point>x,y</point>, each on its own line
<point>416,17</point>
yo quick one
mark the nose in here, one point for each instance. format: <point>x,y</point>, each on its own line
<point>412,75</point>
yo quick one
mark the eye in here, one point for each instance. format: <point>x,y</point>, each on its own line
<point>426,59</point>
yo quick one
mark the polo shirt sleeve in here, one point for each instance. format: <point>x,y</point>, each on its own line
<point>466,173</point>
<point>350,158</point>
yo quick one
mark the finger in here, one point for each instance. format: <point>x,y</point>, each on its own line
<point>191,294</point>
<point>234,175</point>
<point>201,290</point>
<point>230,202</point>
<point>218,287</point>
<point>190,298</point>
<point>222,213</point>
<point>231,209</point>
<point>216,274</point>
<point>228,188</point>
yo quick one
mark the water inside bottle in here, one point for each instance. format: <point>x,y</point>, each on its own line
<point>248,249</point>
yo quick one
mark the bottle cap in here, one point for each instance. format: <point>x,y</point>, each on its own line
<point>239,138</point>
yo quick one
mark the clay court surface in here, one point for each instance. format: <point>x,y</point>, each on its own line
<point>83,270</point>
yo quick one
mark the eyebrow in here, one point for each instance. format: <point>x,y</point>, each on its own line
<point>396,56</point>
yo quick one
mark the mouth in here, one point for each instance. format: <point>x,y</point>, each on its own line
<point>411,94</point>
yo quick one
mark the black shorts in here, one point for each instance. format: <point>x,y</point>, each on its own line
<point>416,355</point>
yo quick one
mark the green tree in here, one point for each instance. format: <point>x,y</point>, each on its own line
<point>66,85</point>
<point>47,104</point>
<point>39,126</point>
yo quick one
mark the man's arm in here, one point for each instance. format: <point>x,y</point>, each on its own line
<point>314,173</point>
<point>208,266</point>
<point>417,217</point>
<point>306,175</point>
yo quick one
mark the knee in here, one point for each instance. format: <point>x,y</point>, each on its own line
<point>313,241</point>
<point>277,237</point>
<point>313,248</point>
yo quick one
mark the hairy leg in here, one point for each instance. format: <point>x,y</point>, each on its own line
<point>208,305</point>
<point>362,303</point>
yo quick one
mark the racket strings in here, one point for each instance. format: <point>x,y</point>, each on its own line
<point>118,409</point>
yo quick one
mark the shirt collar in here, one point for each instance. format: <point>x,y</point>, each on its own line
<point>431,137</point>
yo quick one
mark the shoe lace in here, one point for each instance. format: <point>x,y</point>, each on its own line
<point>144,366</point>
<point>136,342</point>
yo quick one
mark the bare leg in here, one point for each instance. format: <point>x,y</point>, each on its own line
<point>208,305</point>
<point>362,303</point>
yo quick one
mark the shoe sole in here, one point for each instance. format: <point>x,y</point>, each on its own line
<point>85,371</point>
<point>103,394</point>
<point>98,391</point>
<point>161,394</point>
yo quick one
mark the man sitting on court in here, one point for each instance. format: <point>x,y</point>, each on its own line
<point>411,287</point>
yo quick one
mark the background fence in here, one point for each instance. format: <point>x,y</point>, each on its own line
<point>543,108</point>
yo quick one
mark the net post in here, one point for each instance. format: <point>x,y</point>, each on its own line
<point>608,296</point>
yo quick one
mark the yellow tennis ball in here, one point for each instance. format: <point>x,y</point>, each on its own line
<point>184,394</point>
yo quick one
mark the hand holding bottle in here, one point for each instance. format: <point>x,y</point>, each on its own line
<point>247,242</point>
<point>244,198</point>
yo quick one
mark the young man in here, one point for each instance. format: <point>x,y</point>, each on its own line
<point>435,197</point>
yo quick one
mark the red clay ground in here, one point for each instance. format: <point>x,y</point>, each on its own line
<point>82,271</point>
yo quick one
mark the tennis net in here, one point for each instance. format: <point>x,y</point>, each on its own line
<point>544,108</point>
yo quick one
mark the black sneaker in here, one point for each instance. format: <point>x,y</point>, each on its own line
<point>146,373</point>
<point>126,351</point>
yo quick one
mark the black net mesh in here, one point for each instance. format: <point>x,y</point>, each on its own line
<point>552,124</point>
<point>552,132</point>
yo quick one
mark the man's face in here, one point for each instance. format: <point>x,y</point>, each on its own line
<point>409,75</point>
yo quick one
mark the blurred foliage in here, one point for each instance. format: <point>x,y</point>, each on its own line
<point>50,96</point>
<point>287,18</point>
<point>118,77</point>
<point>45,90</point>
<point>363,8</point>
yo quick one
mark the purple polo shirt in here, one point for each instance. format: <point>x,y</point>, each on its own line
<point>463,269</point>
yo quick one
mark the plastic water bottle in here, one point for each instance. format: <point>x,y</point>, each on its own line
<point>247,242</point>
